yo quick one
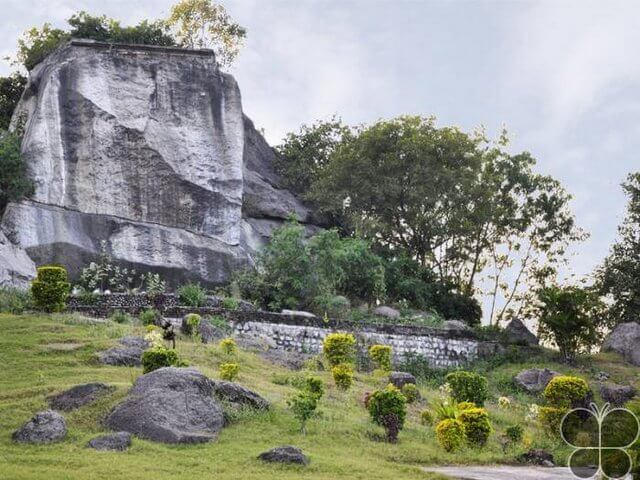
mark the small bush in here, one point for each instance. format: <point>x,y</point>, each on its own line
<point>339,348</point>
<point>450,434</point>
<point>148,317</point>
<point>381,356</point>
<point>466,406</point>
<point>477,427</point>
<point>220,323</point>
<point>191,323</point>
<point>230,303</point>
<point>303,405</point>
<point>566,391</point>
<point>118,316</point>
<point>426,417</point>
<point>158,357</point>
<point>314,385</point>
<point>468,387</point>
<point>50,289</point>
<point>342,376</point>
<point>388,408</point>
<point>446,411</point>
<point>420,367</point>
<point>514,433</point>
<point>192,295</point>
<point>15,301</point>
<point>229,371</point>
<point>228,346</point>
<point>410,392</point>
<point>550,418</point>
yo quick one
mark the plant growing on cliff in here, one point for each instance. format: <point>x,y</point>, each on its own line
<point>11,89</point>
<point>14,182</point>
<point>205,24</point>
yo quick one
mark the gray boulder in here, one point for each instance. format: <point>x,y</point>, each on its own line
<point>210,333</point>
<point>128,354</point>
<point>78,396</point>
<point>44,427</point>
<point>239,396</point>
<point>456,326</point>
<point>534,380</point>
<point>518,333</point>
<point>387,312</point>
<point>284,454</point>
<point>286,358</point>
<point>170,405</point>
<point>625,340</point>
<point>16,268</point>
<point>400,379</point>
<point>115,442</point>
<point>298,313</point>
<point>617,395</point>
<point>537,457</point>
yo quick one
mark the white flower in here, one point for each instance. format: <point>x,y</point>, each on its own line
<point>504,402</point>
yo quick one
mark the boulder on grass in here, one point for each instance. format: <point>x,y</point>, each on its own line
<point>387,312</point>
<point>239,396</point>
<point>537,457</point>
<point>115,442</point>
<point>400,379</point>
<point>617,395</point>
<point>170,405</point>
<point>44,427</point>
<point>535,380</point>
<point>625,340</point>
<point>518,334</point>
<point>209,333</point>
<point>285,454</point>
<point>128,354</point>
<point>78,396</point>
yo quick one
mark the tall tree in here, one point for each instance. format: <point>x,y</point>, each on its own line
<point>205,24</point>
<point>11,89</point>
<point>618,278</point>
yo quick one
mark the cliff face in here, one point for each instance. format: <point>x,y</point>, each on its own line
<point>148,149</point>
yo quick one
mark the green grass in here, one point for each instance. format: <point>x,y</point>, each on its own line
<point>41,355</point>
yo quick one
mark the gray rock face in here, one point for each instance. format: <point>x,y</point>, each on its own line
<point>170,405</point>
<point>284,454</point>
<point>127,355</point>
<point>16,268</point>
<point>146,148</point>
<point>518,333</point>
<point>534,380</point>
<point>387,312</point>
<point>78,396</point>
<point>239,396</point>
<point>115,442</point>
<point>625,340</point>
<point>44,427</point>
<point>617,395</point>
<point>400,379</point>
<point>456,326</point>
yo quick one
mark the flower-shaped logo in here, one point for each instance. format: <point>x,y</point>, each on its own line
<point>600,437</point>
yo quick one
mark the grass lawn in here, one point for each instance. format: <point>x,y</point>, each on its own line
<point>41,355</point>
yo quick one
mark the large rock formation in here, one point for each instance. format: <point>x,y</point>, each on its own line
<point>16,268</point>
<point>148,149</point>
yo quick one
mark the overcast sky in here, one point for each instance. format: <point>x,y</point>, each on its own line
<point>563,76</point>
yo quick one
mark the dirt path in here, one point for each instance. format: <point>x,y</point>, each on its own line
<point>503,473</point>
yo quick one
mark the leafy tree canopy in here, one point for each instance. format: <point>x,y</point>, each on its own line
<point>11,89</point>
<point>14,183</point>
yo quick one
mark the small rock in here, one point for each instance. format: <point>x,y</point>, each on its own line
<point>601,377</point>
<point>118,442</point>
<point>285,454</point>
<point>210,333</point>
<point>298,313</point>
<point>239,396</point>
<point>387,312</point>
<point>518,334</point>
<point>400,379</point>
<point>625,340</point>
<point>534,380</point>
<point>617,395</point>
<point>127,355</point>
<point>456,326</point>
<point>44,427</point>
<point>78,396</point>
<point>537,457</point>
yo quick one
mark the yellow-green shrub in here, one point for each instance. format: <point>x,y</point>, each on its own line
<point>388,408</point>
<point>229,371</point>
<point>566,391</point>
<point>466,406</point>
<point>477,427</point>
<point>551,417</point>
<point>411,392</point>
<point>50,289</point>
<point>450,434</point>
<point>228,346</point>
<point>342,376</point>
<point>339,348</point>
<point>158,357</point>
<point>381,356</point>
<point>191,323</point>
<point>468,387</point>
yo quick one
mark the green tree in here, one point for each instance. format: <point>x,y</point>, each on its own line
<point>36,43</point>
<point>205,24</point>
<point>570,318</point>
<point>14,182</point>
<point>618,277</point>
<point>11,89</point>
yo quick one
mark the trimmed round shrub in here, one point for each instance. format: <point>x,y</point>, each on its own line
<point>191,323</point>
<point>50,289</point>
<point>314,386</point>
<point>468,387</point>
<point>148,317</point>
<point>192,295</point>
<point>229,371</point>
<point>388,408</point>
<point>342,376</point>
<point>566,392</point>
<point>158,357</point>
<point>228,346</point>
<point>410,392</point>
<point>426,417</point>
<point>381,356</point>
<point>339,348</point>
<point>477,427</point>
<point>450,434</point>
<point>550,418</point>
